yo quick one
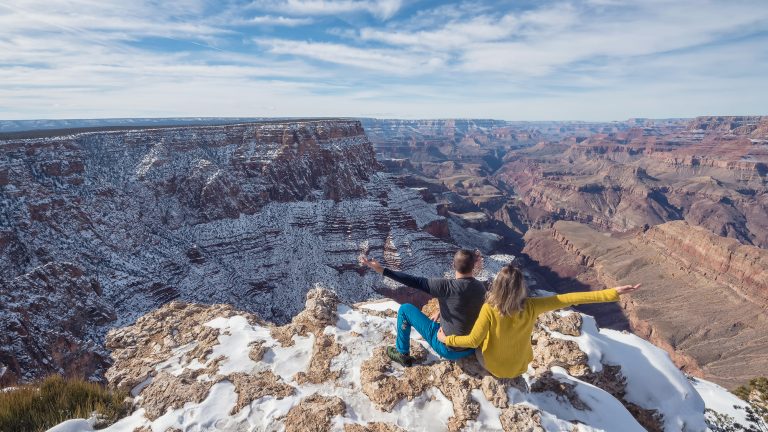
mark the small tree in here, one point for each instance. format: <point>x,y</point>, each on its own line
<point>756,396</point>
<point>718,422</point>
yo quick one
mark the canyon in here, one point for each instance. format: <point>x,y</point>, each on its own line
<point>101,225</point>
<point>680,205</point>
<point>703,298</point>
<point>98,228</point>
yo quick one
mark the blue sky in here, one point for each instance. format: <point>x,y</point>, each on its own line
<point>515,59</point>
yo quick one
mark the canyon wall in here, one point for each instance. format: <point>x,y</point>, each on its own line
<point>703,296</point>
<point>252,215</point>
<point>710,172</point>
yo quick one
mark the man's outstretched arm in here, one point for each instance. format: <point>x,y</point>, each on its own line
<point>420,283</point>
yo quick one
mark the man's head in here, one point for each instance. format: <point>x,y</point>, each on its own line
<point>464,261</point>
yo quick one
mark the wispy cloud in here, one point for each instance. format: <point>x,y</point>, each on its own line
<point>380,60</point>
<point>279,20</point>
<point>383,9</point>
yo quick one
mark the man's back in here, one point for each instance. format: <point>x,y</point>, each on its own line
<point>460,304</point>
<point>460,299</point>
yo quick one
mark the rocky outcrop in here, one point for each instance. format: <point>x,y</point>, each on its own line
<point>136,349</point>
<point>48,322</point>
<point>188,364</point>
<point>314,414</point>
<point>689,276</point>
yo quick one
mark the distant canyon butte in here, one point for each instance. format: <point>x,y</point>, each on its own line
<point>100,226</point>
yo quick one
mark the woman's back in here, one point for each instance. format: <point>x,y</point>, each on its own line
<point>507,346</point>
<point>505,340</point>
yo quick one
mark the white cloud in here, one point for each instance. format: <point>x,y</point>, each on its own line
<point>279,21</point>
<point>383,9</point>
<point>453,36</point>
<point>381,60</point>
<point>108,20</point>
<point>555,35</point>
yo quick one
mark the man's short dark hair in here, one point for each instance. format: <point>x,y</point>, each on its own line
<point>464,261</point>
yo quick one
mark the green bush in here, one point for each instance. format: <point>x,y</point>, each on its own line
<point>756,394</point>
<point>37,407</point>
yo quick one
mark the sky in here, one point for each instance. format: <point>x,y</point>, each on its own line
<point>503,59</point>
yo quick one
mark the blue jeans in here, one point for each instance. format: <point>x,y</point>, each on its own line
<point>410,316</point>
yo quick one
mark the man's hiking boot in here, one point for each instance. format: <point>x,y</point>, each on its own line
<point>398,357</point>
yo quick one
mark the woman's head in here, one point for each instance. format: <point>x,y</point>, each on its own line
<point>508,291</point>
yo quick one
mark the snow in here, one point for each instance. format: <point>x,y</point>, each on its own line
<point>212,413</point>
<point>288,361</point>
<point>140,386</point>
<point>74,425</point>
<point>428,412</point>
<point>721,400</point>
<point>652,382</point>
<point>381,306</point>
<point>488,419</point>
<point>605,413</point>
<point>234,343</point>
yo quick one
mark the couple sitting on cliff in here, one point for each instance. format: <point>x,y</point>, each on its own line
<point>496,326</point>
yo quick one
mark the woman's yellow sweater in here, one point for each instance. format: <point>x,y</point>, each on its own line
<point>506,340</point>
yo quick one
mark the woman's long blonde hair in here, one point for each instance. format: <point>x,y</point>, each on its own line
<point>508,291</point>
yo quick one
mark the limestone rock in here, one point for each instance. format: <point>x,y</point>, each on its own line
<point>314,414</point>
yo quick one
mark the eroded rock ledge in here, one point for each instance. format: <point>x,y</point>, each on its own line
<point>326,370</point>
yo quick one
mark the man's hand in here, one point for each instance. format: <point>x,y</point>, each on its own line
<point>371,263</point>
<point>626,289</point>
<point>479,263</point>
<point>440,335</point>
<point>435,316</point>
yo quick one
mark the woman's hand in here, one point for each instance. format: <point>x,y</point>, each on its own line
<point>626,289</point>
<point>440,335</point>
<point>371,263</point>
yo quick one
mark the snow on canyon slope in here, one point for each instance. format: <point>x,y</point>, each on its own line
<point>113,224</point>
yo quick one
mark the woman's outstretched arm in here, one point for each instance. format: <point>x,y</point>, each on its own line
<point>476,337</point>
<point>546,304</point>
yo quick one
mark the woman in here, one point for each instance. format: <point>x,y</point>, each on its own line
<point>503,328</point>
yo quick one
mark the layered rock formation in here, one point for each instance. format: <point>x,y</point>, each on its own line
<point>703,298</point>
<point>713,173</point>
<point>47,320</point>
<point>247,214</point>
<point>202,366</point>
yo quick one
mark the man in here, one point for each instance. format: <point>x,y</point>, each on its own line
<point>460,302</point>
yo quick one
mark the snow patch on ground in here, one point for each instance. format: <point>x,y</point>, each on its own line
<point>721,400</point>
<point>653,380</point>
<point>382,306</point>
